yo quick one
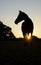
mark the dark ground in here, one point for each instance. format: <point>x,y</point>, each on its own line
<point>18,52</point>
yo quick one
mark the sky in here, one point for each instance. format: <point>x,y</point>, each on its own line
<point>9,10</point>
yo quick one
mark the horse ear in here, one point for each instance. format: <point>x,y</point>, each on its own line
<point>19,11</point>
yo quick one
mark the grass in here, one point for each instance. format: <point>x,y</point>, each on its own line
<point>17,52</point>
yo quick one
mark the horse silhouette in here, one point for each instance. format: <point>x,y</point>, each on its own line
<point>27,25</point>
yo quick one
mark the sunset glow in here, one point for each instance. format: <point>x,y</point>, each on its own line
<point>9,9</point>
<point>28,37</point>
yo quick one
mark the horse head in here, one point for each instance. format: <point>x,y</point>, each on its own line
<point>21,16</point>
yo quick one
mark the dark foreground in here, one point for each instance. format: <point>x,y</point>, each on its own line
<point>17,52</point>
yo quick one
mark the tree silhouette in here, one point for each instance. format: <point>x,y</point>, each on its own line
<point>5,32</point>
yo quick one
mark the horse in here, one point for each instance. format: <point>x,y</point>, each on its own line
<point>27,26</point>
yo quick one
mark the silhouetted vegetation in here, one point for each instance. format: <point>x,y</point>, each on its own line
<point>5,32</point>
<point>17,53</point>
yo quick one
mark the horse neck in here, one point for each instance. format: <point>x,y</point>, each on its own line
<point>25,18</point>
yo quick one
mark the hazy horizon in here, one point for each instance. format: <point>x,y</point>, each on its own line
<point>9,10</point>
